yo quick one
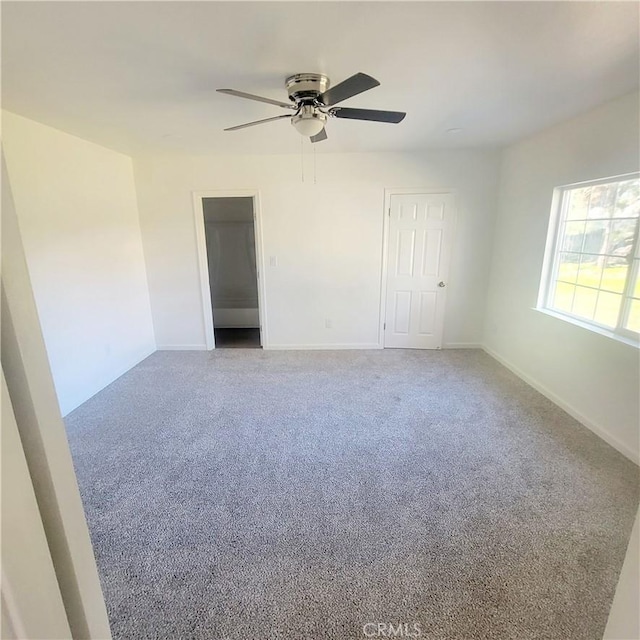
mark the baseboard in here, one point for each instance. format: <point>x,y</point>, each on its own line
<point>319,347</point>
<point>182,347</point>
<point>601,432</point>
<point>462,345</point>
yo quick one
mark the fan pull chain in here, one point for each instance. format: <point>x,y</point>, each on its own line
<point>302,158</point>
<point>314,164</point>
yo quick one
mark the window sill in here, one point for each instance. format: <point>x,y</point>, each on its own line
<point>590,327</point>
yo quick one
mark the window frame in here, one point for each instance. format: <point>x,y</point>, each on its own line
<point>551,262</point>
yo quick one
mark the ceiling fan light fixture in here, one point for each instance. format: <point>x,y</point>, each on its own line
<point>314,100</point>
<point>309,122</point>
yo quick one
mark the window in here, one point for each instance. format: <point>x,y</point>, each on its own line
<point>592,264</point>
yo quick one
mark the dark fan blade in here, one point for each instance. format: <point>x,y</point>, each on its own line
<point>250,96</point>
<point>255,122</point>
<point>347,89</point>
<point>319,137</point>
<point>368,114</point>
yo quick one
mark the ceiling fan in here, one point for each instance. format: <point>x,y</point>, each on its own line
<point>313,101</point>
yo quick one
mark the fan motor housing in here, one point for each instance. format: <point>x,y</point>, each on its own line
<point>306,86</point>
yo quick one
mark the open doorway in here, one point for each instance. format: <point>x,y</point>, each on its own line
<point>231,274</point>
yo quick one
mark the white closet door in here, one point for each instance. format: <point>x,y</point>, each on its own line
<point>420,227</point>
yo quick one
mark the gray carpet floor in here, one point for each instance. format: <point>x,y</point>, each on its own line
<point>252,495</point>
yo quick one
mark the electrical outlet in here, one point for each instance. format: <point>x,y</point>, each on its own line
<point>273,261</point>
<point>327,323</point>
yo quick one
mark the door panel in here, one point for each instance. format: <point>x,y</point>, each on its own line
<point>435,211</point>
<point>402,315</point>
<point>406,251</point>
<point>419,236</point>
<point>431,254</point>
<point>427,315</point>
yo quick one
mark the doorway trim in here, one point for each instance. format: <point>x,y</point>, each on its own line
<point>385,239</point>
<point>203,265</point>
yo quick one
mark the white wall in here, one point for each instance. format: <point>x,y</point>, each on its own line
<point>77,210</point>
<point>594,377</point>
<point>326,237</point>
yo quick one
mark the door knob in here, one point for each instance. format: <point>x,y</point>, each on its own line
<point>441,284</point>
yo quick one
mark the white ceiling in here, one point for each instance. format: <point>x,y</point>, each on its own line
<point>141,76</point>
